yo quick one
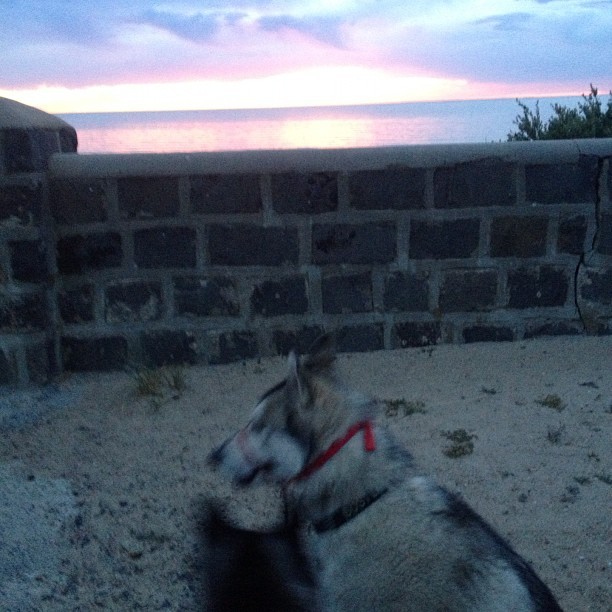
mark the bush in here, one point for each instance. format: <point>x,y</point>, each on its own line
<point>586,121</point>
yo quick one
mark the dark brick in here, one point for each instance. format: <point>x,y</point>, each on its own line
<point>488,182</point>
<point>537,287</point>
<point>21,203</point>
<point>44,144</point>
<point>77,305</point>
<point>24,312</point>
<point>275,298</point>
<point>40,362</point>
<point>358,244</point>
<point>225,193</point>
<point>395,188</point>
<point>406,292</point>
<point>299,340</point>
<point>470,290</point>
<point>132,301</point>
<point>206,297</point>
<point>79,254</point>
<point>556,328</point>
<point>17,151</point>
<point>68,140</point>
<point>79,201</point>
<point>406,335</point>
<point>250,245</point>
<point>572,233</point>
<point>8,367</point>
<point>360,338</point>
<point>29,261</point>
<point>234,346</point>
<point>562,183</point>
<point>305,193</point>
<point>165,247</point>
<point>444,239</point>
<point>518,237</point>
<point>29,150</point>
<point>487,333</point>
<point>148,197</point>
<point>598,287</point>
<point>94,354</point>
<point>163,348</point>
<point>345,294</point>
<point>604,239</point>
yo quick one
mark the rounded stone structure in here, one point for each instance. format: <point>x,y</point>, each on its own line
<point>29,136</point>
<point>28,343</point>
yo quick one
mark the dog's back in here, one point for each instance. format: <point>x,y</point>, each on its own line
<point>383,537</point>
<point>253,571</point>
<point>419,547</point>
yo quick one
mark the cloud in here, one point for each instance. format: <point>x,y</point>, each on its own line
<point>84,23</point>
<point>515,47</point>
<point>325,29</point>
<point>197,27</point>
<point>103,42</point>
<point>507,23</point>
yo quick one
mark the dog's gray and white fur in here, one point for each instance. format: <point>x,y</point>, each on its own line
<point>382,536</point>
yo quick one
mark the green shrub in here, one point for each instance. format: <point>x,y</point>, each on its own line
<point>588,120</point>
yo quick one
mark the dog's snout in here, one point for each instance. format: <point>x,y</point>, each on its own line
<point>216,455</point>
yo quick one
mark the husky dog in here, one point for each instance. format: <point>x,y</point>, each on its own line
<point>253,571</point>
<point>382,536</point>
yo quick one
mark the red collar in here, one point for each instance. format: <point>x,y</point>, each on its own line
<point>369,444</point>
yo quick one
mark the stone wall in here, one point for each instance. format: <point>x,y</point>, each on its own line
<point>216,257</point>
<point>29,349</point>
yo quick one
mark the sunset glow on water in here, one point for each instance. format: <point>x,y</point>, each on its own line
<point>325,127</point>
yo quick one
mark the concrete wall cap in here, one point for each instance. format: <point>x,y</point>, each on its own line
<point>321,160</point>
<point>15,115</point>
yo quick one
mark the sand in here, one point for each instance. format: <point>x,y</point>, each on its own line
<point>100,486</point>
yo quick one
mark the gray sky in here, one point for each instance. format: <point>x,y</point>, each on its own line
<point>210,54</point>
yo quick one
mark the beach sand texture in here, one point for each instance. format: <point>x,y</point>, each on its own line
<point>100,486</point>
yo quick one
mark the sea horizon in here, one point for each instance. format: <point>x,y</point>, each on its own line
<point>363,125</point>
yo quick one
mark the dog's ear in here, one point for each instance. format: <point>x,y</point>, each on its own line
<point>319,360</point>
<point>294,384</point>
<point>321,354</point>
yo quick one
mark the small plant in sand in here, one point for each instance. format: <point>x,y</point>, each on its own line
<point>402,407</point>
<point>149,382</point>
<point>582,480</point>
<point>552,401</point>
<point>605,478</point>
<point>156,383</point>
<point>555,434</point>
<point>461,443</point>
<point>570,495</point>
<point>175,379</point>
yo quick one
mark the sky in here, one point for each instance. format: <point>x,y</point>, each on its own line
<point>66,56</point>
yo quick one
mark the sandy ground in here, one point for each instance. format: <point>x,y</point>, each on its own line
<point>99,486</point>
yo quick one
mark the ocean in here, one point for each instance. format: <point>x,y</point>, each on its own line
<point>294,128</point>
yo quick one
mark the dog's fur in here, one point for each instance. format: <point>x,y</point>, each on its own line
<point>253,571</point>
<point>410,545</point>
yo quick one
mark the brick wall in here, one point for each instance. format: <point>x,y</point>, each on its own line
<point>29,350</point>
<point>216,257</point>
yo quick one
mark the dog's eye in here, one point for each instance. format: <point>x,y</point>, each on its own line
<point>257,427</point>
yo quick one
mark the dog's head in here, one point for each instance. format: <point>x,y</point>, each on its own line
<point>281,435</point>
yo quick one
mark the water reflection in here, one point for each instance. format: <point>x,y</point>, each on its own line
<point>331,127</point>
<point>170,137</point>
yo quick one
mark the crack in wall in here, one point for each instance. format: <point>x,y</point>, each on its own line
<point>587,320</point>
